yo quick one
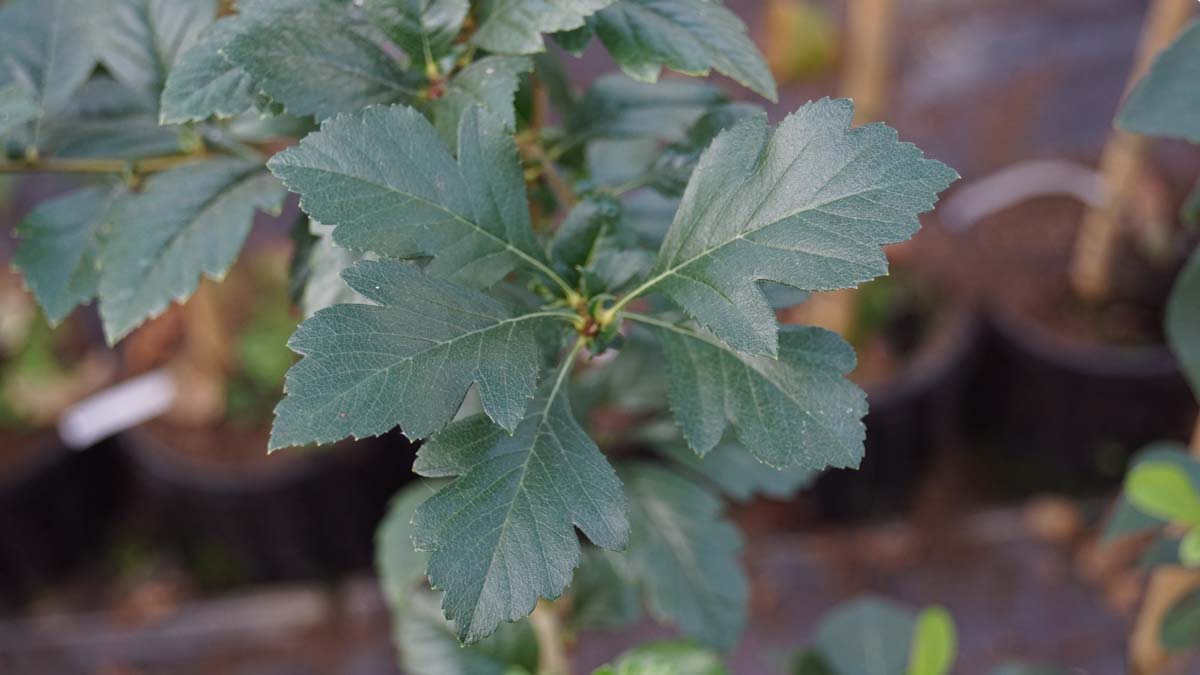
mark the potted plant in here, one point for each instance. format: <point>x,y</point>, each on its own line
<point>498,256</point>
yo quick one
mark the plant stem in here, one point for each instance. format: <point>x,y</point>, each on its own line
<point>1166,586</point>
<point>546,621</point>
<point>1121,164</point>
<point>119,166</point>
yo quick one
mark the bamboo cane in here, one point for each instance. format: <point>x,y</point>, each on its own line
<point>1121,164</point>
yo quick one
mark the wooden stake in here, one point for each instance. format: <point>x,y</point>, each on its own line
<point>1121,164</point>
<point>203,364</point>
<point>546,622</point>
<point>868,56</point>
<point>1167,585</point>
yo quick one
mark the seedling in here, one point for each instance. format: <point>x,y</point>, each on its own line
<point>486,255</point>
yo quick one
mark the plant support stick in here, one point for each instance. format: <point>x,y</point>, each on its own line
<point>1121,164</point>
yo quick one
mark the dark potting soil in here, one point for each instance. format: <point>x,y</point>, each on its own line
<point>223,447</point>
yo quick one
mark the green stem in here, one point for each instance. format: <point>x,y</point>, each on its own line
<point>121,166</point>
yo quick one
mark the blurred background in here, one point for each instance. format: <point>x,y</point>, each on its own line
<point>1004,407</point>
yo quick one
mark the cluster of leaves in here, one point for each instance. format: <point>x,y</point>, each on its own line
<point>873,636</point>
<point>1162,488</point>
<point>432,270</point>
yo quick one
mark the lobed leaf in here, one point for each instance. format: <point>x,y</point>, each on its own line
<point>387,184</point>
<point>204,83</point>
<point>143,39</point>
<point>428,645</point>
<point>48,47</point>
<point>684,556</point>
<point>185,223</point>
<point>738,473</point>
<point>423,28</point>
<point>869,636</point>
<point>797,410</point>
<point>17,107</point>
<point>314,60</point>
<point>406,361</point>
<point>691,36</point>
<point>490,83</point>
<point>516,26</point>
<point>61,249</point>
<point>808,206</point>
<point>503,533</point>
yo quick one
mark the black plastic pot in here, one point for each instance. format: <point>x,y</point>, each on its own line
<point>911,415</point>
<point>313,517</point>
<point>1051,414</point>
<point>56,508</point>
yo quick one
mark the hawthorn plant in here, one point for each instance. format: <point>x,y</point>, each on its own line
<point>480,230</point>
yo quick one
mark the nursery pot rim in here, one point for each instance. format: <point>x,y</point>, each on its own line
<point>154,457</point>
<point>1034,338</point>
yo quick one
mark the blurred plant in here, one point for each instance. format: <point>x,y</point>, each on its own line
<point>482,247</point>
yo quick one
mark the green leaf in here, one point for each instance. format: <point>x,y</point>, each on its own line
<point>515,26</point>
<point>16,107</point>
<point>1181,626</point>
<point>809,662</point>
<point>1164,101</point>
<point>398,563</point>
<point>48,47</point>
<point>315,61</point>
<point>868,636</point>
<point>1026,669</point>
<point>419,27</point>
<point>326,261</point>
<point>387,184</point>
<point>691,36</point>
<point>204,83</point>
<point>574,245</point>
<point>603,592</point>
<point>106,119</point>
<point>808,206</point>
<point>1189,549</point>
<point>489,82</point>
<point>738,473</point>
<point>503,533</point>
<point>1163,490</point>
<point>616,107</point>
<point>666,658</point>
<point>60,254</point>
<point>673,168</point>
<point>406,362</point>
<point>797,410</point>
<point>1183,320</point>
<point>186,222</point>
<point>428,645</point>
<point>143,39</point>
<point>934,643</point>
<point>684,556</point>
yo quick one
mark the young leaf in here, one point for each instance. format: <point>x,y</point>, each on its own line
<point>142,39</point>
<point>490,82</point>
<point>934,643</point>
<point>16,107</point>
<point>204,83</point>
<point>797,410</point>
<point>1189,549</point>
<point>503,533</point>
<point>673,168</point>
<point>666,658</point>
<point>387,184</point>
<point>516,26</point>
<point>422,28</point>
<point>407,361</point>
<point>1164,101</point>
<point>1183,320</point>
<point>428,645</point>
<point>691,36</point>
<point>868,636</point>
<point>1181,626</point>
<point>1165,491</point>
<point>808,207</point>
<point>187,222</point>
<point>48,47</point>
<point>315,61</point>
<point>738,473</point>
<point>60,255</point>
<point>684,556</point>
